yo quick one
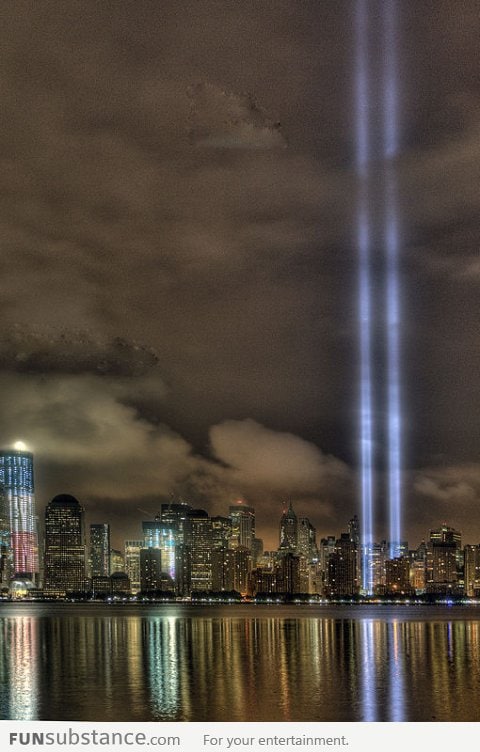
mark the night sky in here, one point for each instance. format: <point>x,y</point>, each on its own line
<point>179,263</point>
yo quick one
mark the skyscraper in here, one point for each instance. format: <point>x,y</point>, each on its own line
<point>65,550</point>
<point>289,530</point>
<point>18,521</point>
<point>132,563</point>
<point>243,525</point>
<point>159,534</point>
<point>100,550</point>
<point>198,539</point>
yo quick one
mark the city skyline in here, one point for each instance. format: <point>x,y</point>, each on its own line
<point>180,290</point>
<point>187,552</point>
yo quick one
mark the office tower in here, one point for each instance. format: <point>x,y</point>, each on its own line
<point>198,541</point>
<point>18,521</point>
<point>288,530</point>
<point>65,550</point>
<point>306,539</point>
<point>354,532</point>
<point>288,574</point>
<point>444,561</point>
<point>397,576</point>
<point>161,535</point>
<point>326,548</point>
<point>117,562</point>
<point>223,569</point>
<point>100,550</point>
<point>472,570</point>
<point>257,551</point>
<point>150,570</point>
<point>132,563</point>
<point>376,560</point>
<point>173,515</point>
<point>242,569</point>
<point>263,581</point>
<point>221,532</point>
<point>243,525</point>
<point>120,584</point>
<point>342,568</point>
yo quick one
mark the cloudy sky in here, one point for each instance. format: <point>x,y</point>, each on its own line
<point>179,265</point>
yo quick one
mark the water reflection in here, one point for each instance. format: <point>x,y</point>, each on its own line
<point>238,663</point>
<point>18,669</point>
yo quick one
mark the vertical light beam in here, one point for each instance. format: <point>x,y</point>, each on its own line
<point>362,156</point>
<point>390,150</point>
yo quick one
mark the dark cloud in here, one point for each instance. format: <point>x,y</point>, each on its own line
<point>148,199</point>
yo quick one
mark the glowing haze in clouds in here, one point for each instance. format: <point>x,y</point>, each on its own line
<point>179,191</point>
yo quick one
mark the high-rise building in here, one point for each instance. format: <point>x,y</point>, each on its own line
<point>65,549</point>
<point>18,521</point>
<point>342,568</point>
<point>221,531</point>
<point>306,539</point>
<point>198,541</point>
<point>150,570</point>
<point>132,563</point>
<point>397,576</point>
<point>117,562</point>
<point>472,570</point>
<point>100,550</point>
<point>444,561</point>
<point>159,534</point>
<point>289,530</point>
<point>243,525</point>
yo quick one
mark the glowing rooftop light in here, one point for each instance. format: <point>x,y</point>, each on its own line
<point>20,446</point>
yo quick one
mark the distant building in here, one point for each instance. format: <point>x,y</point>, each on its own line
<point>150,570</point>
<point>288,574</point>
<point>242,519</point>
<point>100,550</point>
<point>117,562</point>
<point>289,531</point>
<point>444,561</point>
<point>397,576</point>
<point>342,568</point>
<point>198,541</point>
<point>161,535</point>
<point>18,520</point>
<point>132,563</point>
<point>221,532</point>
<point>120,584</point>
<point>65,549</point>
<point>472,570</point>
<point>306,539</point>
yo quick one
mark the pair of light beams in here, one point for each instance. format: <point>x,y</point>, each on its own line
<point>367,163</point>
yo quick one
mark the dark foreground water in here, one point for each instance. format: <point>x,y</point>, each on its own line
<point>239,663</point>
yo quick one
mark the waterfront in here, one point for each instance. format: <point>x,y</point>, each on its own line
<point>239,663</point>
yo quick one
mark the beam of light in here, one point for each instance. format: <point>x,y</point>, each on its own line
<point>390,150</point>
<point>364,292</point>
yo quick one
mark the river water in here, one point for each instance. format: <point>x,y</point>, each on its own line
<point>180,662</point>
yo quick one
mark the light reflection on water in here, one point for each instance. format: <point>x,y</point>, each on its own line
<point>95,662</point>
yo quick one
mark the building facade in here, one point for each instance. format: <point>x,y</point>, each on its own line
<point>100,550</point>
<point>65,549</point>
<point>18,520</point>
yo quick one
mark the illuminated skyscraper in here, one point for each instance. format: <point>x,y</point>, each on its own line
<point>158,534</point>
<point>18,522</point>
<point>132,562</point>
<point>100,550</point>
<point>65,550</point>
<point>243,525</point>
<point>289,530</point>
<point>198,540</point>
